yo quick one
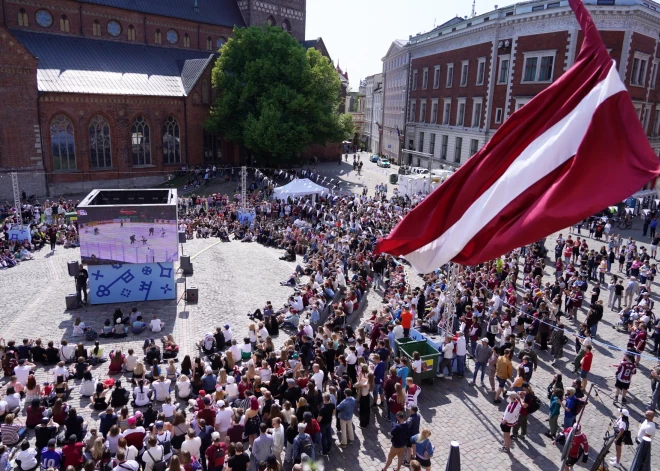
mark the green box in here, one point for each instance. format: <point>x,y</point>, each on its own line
<point>394,178</point>
<point>428,353</point>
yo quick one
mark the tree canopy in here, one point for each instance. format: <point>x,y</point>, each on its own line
<point>275,97</point>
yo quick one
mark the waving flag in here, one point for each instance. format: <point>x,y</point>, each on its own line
<point>576,148</point>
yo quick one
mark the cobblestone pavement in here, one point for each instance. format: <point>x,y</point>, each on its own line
<point>234,278</point>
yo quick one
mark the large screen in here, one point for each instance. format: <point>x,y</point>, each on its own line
<point>128,234</point>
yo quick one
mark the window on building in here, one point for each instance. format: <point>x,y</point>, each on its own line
<point>99,143</point>
<point>96,28</point>
<point>195,99</point>
<point>158,37</point>
<point>553,5</point>
<point>186,40</point>
<point>443,147</point>
<point>130,33</point>
<point>205,91</point>
<point>520,102</point>
<point>638,112</point>
<point>212,147</point>
<point>436,77</point>
<point>539,66</point>
<point>286,26</point>
<point>605,2</point>
<point>113,28</point>
<point>460,118</point>
<point>422,112</point>
<point>63,144</point>
<point>425,79</point>
<point>498,115</point>
<point>645,123</point>
<point>171,142</point>
<point>450,75</point>
<point>414,80</point>
<point>457,150</point>
<point>141,141</point>
<point>656,123</point>
<point>434,112</point>
<point>474,146</point>
<point>654,74</point>
<point>420,143</point>
<point>23,19</point>
<point>481,70</point>
<point>447,110</point>
<point>413,110</point>
<point>476,114</point>
<point>503,72</point>
<point>432,145</point>
<point>538,7</point>
<point>638,72</point>
<point>209,43</point>
<point>64,24</point>
<point>270,21</point>
<point>464,73</point>
<point>43,18</point>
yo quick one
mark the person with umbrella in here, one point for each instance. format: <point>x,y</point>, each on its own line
<point>579,446</point>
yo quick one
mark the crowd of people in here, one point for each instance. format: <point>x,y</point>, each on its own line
<point>243,403</point>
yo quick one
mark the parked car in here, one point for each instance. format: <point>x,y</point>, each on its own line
<point>374,158</point>
<point>383,163</point>
<point>419,170</point>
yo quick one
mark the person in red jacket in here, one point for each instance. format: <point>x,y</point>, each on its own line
<point>579,446</point>
<point>406,321</point>
<point>73,452</point>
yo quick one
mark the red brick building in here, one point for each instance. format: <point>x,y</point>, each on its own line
<point>468,75</point>
<point>115,92</point>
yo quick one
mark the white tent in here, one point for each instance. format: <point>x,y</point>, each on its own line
<point>299,187</point>
<point>412,184</point>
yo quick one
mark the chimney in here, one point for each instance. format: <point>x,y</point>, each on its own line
<point>196,7</point>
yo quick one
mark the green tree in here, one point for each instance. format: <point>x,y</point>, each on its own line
<point>347,126</point>
<point>276,98</point>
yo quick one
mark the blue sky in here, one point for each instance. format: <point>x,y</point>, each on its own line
<point>358,33</point>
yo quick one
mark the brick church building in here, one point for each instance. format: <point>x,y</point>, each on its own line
<point>115,92</point>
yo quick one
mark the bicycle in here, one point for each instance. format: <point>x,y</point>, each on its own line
<point>625,223</point>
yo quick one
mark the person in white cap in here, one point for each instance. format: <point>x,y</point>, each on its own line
<point>223,418</point>
<point>510,419</point>
<point>622,430</point>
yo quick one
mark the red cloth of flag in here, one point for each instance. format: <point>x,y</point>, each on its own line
<point>575,149</point>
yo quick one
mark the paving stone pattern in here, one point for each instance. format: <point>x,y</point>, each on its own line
<point>235,278</point>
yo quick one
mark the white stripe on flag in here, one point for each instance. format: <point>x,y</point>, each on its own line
<point>545,154</point>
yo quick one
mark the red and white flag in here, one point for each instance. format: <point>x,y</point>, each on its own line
<point>576,148</point>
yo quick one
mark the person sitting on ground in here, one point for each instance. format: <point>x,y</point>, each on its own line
<point>156,325</point>
<point>139,326</point>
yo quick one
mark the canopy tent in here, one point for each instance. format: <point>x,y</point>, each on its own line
<point>299,187</point>
<point>412,184</point>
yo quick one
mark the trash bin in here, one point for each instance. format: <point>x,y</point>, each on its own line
<point>394,178</point>
<point>429,355</point>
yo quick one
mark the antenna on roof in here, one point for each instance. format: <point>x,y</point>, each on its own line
<point>474,9</point>
<point>434,22</point>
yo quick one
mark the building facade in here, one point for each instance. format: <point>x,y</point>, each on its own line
<point>469,75</point>
<point>373,96</point>
<point>114,92</point>
<point>396,69</point>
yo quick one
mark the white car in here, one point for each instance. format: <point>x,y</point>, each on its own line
<point>383,163</point>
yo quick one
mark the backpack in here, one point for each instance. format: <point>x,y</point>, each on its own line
<point>166,444</point>
<point>306,446</point>
<point>159,465</point>
<point>90,334</point>
<point>534,405</point>
<point>219,454</point>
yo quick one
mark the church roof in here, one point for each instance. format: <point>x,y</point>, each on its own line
<point>69,64</point>
<point>215,12</point>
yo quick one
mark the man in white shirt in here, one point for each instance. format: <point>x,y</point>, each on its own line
<point>308,329</point>
<point>125,465</point>
<point>192,444</point>
<point>263,332</point>
<point>318,377</point>
<point>60,370</point>
<point>161,388</point>
<point>223,420</point>
<point>156,324</point>
<point>647,428</point>
<point>22,371</point>
<point>67,352</point>
<point>228,335</point>
<point>447,355</point>
<point>398,330</point>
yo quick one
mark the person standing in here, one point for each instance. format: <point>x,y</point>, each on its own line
<point>526,400</point>
<point>646,428</point>
<point>423,448</point>
<point>262,447</point>
<point>81,283</point>
<point>400,434</point>
<point>504,371</point>
<point>345,413</point>
<point>553,415</point>
<point>579,444</point>
<point>481,356</point>
<point>326,413</point>
<point>510,419</point>
<point>585,365</point>
<point>622,431</point>
<point>624,373</point>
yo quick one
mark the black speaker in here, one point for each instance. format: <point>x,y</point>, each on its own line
<point>192,295</point>
<point>186,266</point>
<point>73,268</point>
<point>182,237</point>
<point>71,301</point>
